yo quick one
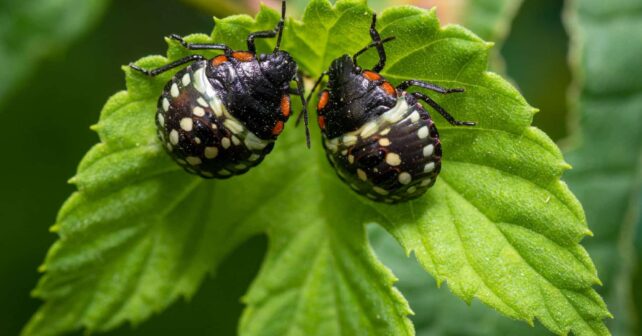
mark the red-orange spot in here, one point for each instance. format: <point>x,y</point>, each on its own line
<point>243,56</point>
<point>278,128</point>
<point>389,88</point>
<point>371,75</point>
<point>323,100</point>
<point>219,60</point>
<point>321,120</point>
<point>285,105</point>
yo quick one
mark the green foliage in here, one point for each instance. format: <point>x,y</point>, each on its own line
<point>30,30</point>
<point>498,225</point>
<point>608,158</point>
<point>490,19</point>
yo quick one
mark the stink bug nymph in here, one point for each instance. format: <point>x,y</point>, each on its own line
<point>379,138</point>
<point>220,117</point>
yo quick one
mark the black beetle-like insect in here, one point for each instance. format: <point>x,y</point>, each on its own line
<point>219,117</point>
<point>380,139</point>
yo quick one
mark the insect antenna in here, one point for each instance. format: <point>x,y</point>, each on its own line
<point>280,27</point>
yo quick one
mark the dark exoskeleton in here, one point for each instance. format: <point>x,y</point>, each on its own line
<point>379,138</point>
<point>219,117</point>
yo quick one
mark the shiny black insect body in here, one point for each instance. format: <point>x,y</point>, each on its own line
<point>220,117</point>
<point>379,138</point>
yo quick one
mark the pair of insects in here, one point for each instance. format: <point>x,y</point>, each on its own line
<point>220,117</point>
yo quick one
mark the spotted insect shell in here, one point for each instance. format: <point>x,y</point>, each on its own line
<point>393,157</point>
<point>199,133</point>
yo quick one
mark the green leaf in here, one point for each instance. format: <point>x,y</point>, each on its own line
<point>31,30</point>
<point>498,225</point>
<point>608,155</point>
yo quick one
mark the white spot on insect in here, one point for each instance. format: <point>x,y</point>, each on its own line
<point>173,137</point>
<point>186,80</point>
<point>387,200</point>
<point>354,186</point>
<point>386,131</point>
<point>217,108</point>
<point>332,146</point>
<point>380,190</point>
<point>254,157</point>
<point>422,133</point>
<point>344,152</point>
<point>198,80</point>
<point>174,90</point>
<point>193,160</point>
<point>198,111</point>
<point>161,120</point>
<point>240,166</point>
<point>224,172</point>
<point>371,196</point>
<point>429,167</point>
<point>397,112</point>
<point>351,159</point>
<point>181,161</point>
<point>411,190</point>
<point>428,150</point>
<point>187,124</point>
<point>368,129</point>
<point>165,104</point>
<point>235,141</point>
<point>253,142</point>
<point>197,140</point>
<point>225,142</point>
<point>349,140</point>
<point>201,101</point>
<point>362,175</point>
<point>425,182</point>
<point>214,126</point>
<point>414,117</point>
<point>207,174</point>
<point>169,147</point>
<point>210,152</point>
<point>384,142</point>
<point>405,178</point>
<point>393,159</point>
<point>233,126</point>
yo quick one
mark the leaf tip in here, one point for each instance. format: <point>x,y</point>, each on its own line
<point>54,228</point>
<point>42,268</point>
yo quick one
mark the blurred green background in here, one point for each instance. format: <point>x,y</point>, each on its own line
<point>59,81</point>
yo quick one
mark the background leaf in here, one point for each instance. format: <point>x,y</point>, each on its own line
<point>608,157</point>
<point>31,30</point>
<point>461,57</point>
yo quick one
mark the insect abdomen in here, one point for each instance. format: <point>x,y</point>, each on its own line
<point>198,131</point>
<point>392,158</point>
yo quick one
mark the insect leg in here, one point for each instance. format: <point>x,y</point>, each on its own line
<point>304,110</point>
<point>157,71</point>
<point>377,43</point>
<point>413,82</point>
<point>316,84</point>
<point>204,46</point>
<point>441,110</point>
<point>277,31</point>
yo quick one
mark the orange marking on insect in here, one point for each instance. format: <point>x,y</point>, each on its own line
<point>321,120</point>
<point>285,105</point>
<point>371,75</point>
<point>386,86</point>
<point>323,100</point>
<point>220,59</point>
<point>243,56</point>
<point>278,128</point>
